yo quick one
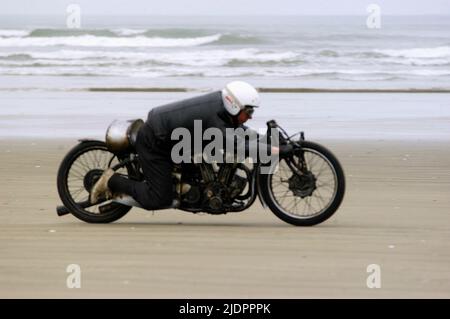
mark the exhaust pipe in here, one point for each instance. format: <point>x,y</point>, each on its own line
<point>62,210</point>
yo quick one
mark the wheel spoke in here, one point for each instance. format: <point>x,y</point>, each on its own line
<point>320,169</point>
<point>76,193</point>
<point>77,173</point>
<point>285,196</point>
<point>319,197</point>
<point>84,162</point>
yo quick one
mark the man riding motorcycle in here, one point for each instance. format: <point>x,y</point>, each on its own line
<point>229,108</point>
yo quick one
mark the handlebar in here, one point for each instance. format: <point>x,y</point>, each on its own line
<point>273,124</point>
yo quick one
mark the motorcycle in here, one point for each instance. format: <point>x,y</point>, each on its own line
<point>304,189</point>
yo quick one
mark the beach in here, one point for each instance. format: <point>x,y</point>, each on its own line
<point>377,98</point>
<point>395,215</point>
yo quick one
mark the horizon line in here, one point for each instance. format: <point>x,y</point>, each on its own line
<point>227,15</point>
<point>270,90</point>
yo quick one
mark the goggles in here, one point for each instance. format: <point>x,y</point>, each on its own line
<point>249,110</point>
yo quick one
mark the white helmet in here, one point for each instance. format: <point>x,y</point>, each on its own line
<point>237,95</point>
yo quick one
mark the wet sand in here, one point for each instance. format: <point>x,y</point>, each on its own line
<point>396,214</point>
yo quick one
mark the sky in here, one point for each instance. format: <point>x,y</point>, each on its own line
<point>230,7</point>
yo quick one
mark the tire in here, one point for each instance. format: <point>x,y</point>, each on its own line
<point>269,196</point>
<point>110,212</point>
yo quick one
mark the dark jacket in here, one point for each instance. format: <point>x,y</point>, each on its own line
<point>208,108</point>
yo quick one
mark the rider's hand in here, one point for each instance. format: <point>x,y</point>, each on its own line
<point>275,150</point>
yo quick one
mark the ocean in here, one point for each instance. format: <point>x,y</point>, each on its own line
<point>47,72</point>
<point>203,52</point>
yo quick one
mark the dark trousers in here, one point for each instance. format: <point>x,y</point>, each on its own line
<point>154,156</point>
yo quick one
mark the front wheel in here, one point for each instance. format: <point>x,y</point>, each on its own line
<point>307,188</point>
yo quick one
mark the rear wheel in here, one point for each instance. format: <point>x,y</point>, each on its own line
<point>78,172</point>
<point>313,195</point>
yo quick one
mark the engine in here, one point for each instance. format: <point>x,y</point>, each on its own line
<point>213,191</point>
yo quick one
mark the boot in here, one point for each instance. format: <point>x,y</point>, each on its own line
<point>100,189</point>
